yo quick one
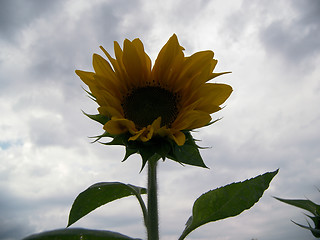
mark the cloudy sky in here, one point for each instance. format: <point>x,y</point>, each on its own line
<point>272,119</point>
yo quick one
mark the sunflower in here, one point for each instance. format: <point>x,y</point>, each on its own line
<point>165,101</point>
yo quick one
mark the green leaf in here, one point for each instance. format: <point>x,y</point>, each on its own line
<point>78,234</point>
<point>227,201</point>
<point>188,153</point>
<point>302,203</point>
<point>100,194</point>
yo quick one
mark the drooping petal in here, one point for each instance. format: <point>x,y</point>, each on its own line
<point>137,135</point>
<point>178,137</point>
<point>147,134</point>
<point>118,126</point>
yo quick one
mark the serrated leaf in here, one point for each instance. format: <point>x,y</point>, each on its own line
<point>188,153</point>
<point>100,194</point>
<point>78,234</point>
<point>227,201</point>
<point>302,203</point>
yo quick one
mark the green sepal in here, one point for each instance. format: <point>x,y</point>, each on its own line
<point>129,152</point>
<point>90,95</point>
<point>304,204</point>
<point>100,194</point>
<point>105,134</point>
<point>98,117</point>
<point>227,201</point>
<point>155,147</point>
<point>212,122</point>
<point>121,139</point>
<point>164,147</point>
<point>316,221</point>
<point>310,207</point>
<point>188,153</point>
<point>78,234</point>
<point>315,231</point>
<point>159,146</point>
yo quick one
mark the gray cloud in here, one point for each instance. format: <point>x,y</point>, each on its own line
<point>295,37</point>
<point>288,30</point>
<point>17,14</point>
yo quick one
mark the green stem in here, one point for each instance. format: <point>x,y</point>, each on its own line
<point>152,222</point>
<point>142,205</point>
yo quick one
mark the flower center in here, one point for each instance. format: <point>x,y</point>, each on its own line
<point>146,104</point>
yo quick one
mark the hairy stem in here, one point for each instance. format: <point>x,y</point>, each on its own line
<point>153,222</point>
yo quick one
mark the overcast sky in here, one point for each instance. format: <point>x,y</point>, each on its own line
<point>271,120</point>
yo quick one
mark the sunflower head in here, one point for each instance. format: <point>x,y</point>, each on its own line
<point>151,110</point>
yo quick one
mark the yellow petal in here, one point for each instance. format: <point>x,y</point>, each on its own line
<point>103,111</point>
<point>204,76</point>
<point>115,88</point>
<point>163,131</point>
<point>135,67</point>
<point>136,135</point>
<point>147,134</point>
<point>191,120</point>
<point>143,56</point>
<point>118,126</point>
<point>194,66</point>
<point>114,112</point>
<point>107,98</point>
<point>119,58</point>
<point>102,67</point>
<point>170,57</point>
<point>179,138</point>
<point>117,65</point>
<point>156,123</point>
<point>86,77</point>
<point>111,59</point>
<point>214,93</point>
